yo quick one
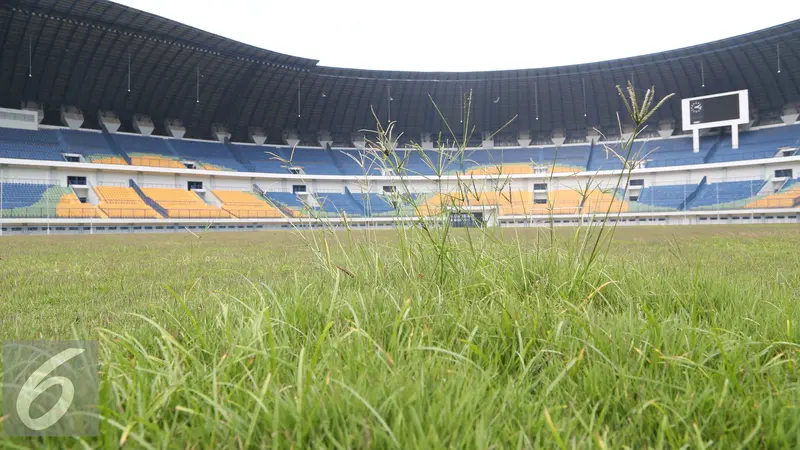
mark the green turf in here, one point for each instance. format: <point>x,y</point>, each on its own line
<point>679,337</point>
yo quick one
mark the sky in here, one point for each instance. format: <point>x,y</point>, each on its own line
<point>471,35</point>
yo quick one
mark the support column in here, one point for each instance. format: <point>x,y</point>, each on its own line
<point>220,132</point>
<point>790,114</point>
<point>257,135</point>
<point>592,135</point>
<point>696,140</point>
<point>324,138</point>
<point>666,128</point>
<point>487,141</point>
<point>71,117</point>
<point>291,137</point>
<point>627,131</point>
<point>558,137</point>
<point>735,136</point>
<point>143,124</point>
<point>175,128</point>
<point>359,140</point>
<point>108,121</point>
<point>426,142</point>
<point>524,138</point>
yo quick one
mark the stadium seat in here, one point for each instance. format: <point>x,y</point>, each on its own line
<point>730,194</point>
<point>261,158</point>
<point>246,205</point>
<point>758,144</point>
<point>123,202</point>
<point>184,204</point>
<point>787,197</point>
<point>41,201</point>
<point>340,204</point>
<point>288,202</point>
<point>600,202</point>
<point>92,145</point>
<point>207,155</point>
<point>40,145</point>
<point>662,198</point>
<point>148,151</point>
<point>69,206</point>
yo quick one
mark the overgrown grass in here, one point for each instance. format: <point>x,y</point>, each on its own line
<point>426,336</point>
<point>680,336</point>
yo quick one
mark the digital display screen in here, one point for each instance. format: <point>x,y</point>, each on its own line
<point>714,109</point>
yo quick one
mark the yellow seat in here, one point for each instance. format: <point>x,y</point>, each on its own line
<point>502,169</point>
<point>184,204</point>
<point>106,159</point>
<point>155,161</point>
<point>246,205</point>
<point>598,202</point>
<point>69,206</point>
<point>787,198</point>
<point>121,202</point>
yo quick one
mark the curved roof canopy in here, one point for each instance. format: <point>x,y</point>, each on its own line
<point>95,54</point>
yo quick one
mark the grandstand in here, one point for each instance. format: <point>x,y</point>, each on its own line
<point>264,161</point>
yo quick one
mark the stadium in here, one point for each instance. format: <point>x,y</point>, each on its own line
<point>112,139</point>
<point>494,259</point>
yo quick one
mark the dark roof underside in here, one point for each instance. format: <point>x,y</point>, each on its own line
<point>78,52</point>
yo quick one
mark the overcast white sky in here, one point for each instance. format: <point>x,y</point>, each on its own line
<point>468,35</point>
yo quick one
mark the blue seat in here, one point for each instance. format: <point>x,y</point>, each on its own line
<point>355,162</point>
<point>340,203</point>
<point>314,161</point>
<point>757,144</point>
<point>133,144</point>
<point>285,198</point>
<point>31,200</point>
<point>669,197</point>
<point>42,145</point>
<point>206,152</point>
<point>730,192</point>
<point>262,158</point>
<point>90,144</point>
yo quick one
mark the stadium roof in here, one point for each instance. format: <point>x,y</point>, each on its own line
<point>87,52</point>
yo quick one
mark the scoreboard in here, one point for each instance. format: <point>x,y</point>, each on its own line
<point>726,109</point>
<point>714,109</point>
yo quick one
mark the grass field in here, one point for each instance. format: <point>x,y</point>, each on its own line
<point>677,337</point>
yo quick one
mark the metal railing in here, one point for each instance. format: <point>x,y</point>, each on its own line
<point>723,157</point>
<point>164,161</point>
<point>27,212</point>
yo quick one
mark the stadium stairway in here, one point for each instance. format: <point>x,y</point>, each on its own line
<point>336,155</point>
<point>184,204</point>
<point>713,150</point>
<point>589,161</point>
<point>239,156</point>
<point>116,148</point>
<point>147,200</point>
<point>246,205</point>
<point>286,202</point>
<point>93,146</point>
<point>147,151</point>
<point>123,202</point>
<point>724,194</point>
<point>663,198</point>
<point>206,155</point>
<point>788,196</point>
<point>689,198</point>
<point>335,203</point>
